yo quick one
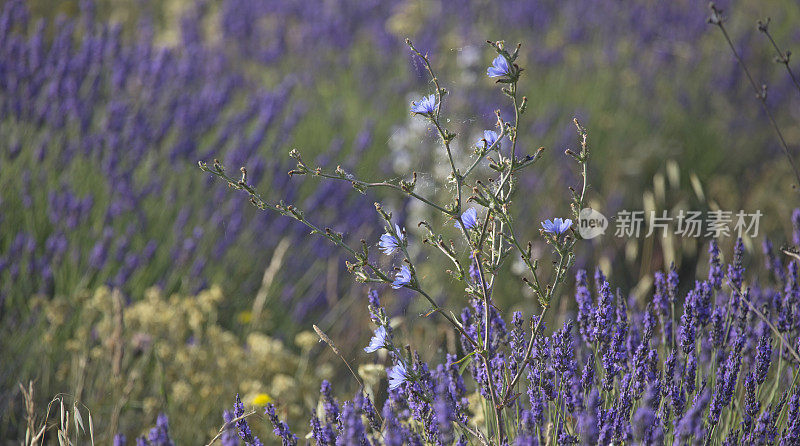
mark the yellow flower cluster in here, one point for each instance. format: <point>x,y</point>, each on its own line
<point>169,354</point>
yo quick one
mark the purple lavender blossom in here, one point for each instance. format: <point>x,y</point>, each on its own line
<point>687,333</point>
<point>374,299</point>
<point>751,404</point>
<point>603,316</point>
<point>588,422</point>
<point>317,433</point>
<point>394,433</point>
<point>736,268</point>
<point>772,262</point>
<point>244,429</point>
<point>691,426</point>
<point>672,284</point>
<point>119,440</point>
<point>229,436</point>
<point>691,373</point>
<point>660,297</point>
<point>329,403</point>
<point>281,429</point>
<point>587,376</point>
<point>159,435</point>
<point>368,409</point>
<point>765,430</point>
<point>717,323</point>
<point>563,352</point>
<point>474,270</point>
<point>792,434</point>
<point>763,357</point>
<point>444,414</point>
<point>714,265</point>
<point>583,297</point>
<point>352,426</point>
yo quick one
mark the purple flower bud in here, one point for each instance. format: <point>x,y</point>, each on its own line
<point>736,268</point>
<point>281,429</point>
<point>244,429</point>
<point>714,265</point>
<point>159,435</point>
<point>229,436</point>
<point>691,426</point>
<point>583,298</point>
<point>763,357</point>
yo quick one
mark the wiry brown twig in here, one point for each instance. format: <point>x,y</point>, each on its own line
<point>336,350</point>
<point>781,58</point>
<point>761,93</point>
<point>227,425</point>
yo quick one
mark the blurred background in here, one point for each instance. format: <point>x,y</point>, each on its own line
<point>138,284</point>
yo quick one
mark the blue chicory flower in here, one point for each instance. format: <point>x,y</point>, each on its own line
<point>402,278</point>
<point>424,106</point>
<point>379,340</point>
<point>470,218</point>
<point>389,243</point>
<point>491,137</point>
<point>397,375</point>
<point>557,226</point>
<point>500,67</point>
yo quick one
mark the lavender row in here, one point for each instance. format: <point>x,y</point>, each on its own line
<point>101,130</point>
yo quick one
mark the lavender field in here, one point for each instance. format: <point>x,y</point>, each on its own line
<point>418,222</point>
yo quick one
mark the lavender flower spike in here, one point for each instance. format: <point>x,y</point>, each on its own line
<point>244,429</point>
<point>425,106</point>
<point>470,218</point>
<point>281,429</point>
<point>557,226</point>
<point>379,340</point>
<point>397,375</point>
<point>402,278</point>
<point>389,243</point>
<point>499,68</point>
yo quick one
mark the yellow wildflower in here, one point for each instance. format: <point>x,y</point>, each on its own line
<point>262,399</point>
<point>245,317</point>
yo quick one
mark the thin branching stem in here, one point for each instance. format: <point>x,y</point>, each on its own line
<point>761,93</point>
<point>782,58</point>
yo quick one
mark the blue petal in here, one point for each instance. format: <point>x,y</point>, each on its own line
<point>397,376</point>
<point>490,136</point>
<point>378,340</point>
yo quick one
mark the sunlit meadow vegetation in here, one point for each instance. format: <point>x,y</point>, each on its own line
<point>136,291</point>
